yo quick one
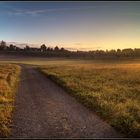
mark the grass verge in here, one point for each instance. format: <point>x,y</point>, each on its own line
<point>9,75</point>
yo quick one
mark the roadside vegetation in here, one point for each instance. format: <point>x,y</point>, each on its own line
<point>111,90</point>
<point>9,74</point>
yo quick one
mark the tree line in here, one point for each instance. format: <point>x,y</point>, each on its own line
<point>43,50</point>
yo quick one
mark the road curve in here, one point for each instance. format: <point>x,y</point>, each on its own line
<point>45,110</point>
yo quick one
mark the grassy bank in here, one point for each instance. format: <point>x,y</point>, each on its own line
<point>8,82</point>
<point>113,91</point>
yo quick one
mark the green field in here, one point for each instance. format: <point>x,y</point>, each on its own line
<point>8,81</point>
<point>112,90</point>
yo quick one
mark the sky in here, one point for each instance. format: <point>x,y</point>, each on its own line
<point>72,25</point>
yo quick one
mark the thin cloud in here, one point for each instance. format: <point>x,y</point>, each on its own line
<point>41,11</point>
<point>89,48</point>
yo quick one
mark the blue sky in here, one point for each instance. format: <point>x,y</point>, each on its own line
<point>77,25</point>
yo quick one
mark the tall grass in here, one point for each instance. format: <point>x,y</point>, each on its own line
<point>8,80</point>
<point>113,91</point>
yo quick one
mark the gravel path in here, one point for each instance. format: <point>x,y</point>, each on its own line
<point>44,110</point>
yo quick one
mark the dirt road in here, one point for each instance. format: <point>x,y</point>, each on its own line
<point>44,110</point>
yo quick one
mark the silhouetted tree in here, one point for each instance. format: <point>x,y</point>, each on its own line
<point>48,49</point>
<point>128,52</point>
<point>3,45</point>
<point>137,52</point>
<point>43,48</point>
<point>118,51</point>
<point>17,48</point>
<point>56,48</point>
<point>12,47</point>
<point>112,51</point>
<point>62,49</point>
<point>27,48</point>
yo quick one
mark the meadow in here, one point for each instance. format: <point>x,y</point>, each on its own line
<point>108,87</point>
<point>112,90</point>
<point>9,74</point>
